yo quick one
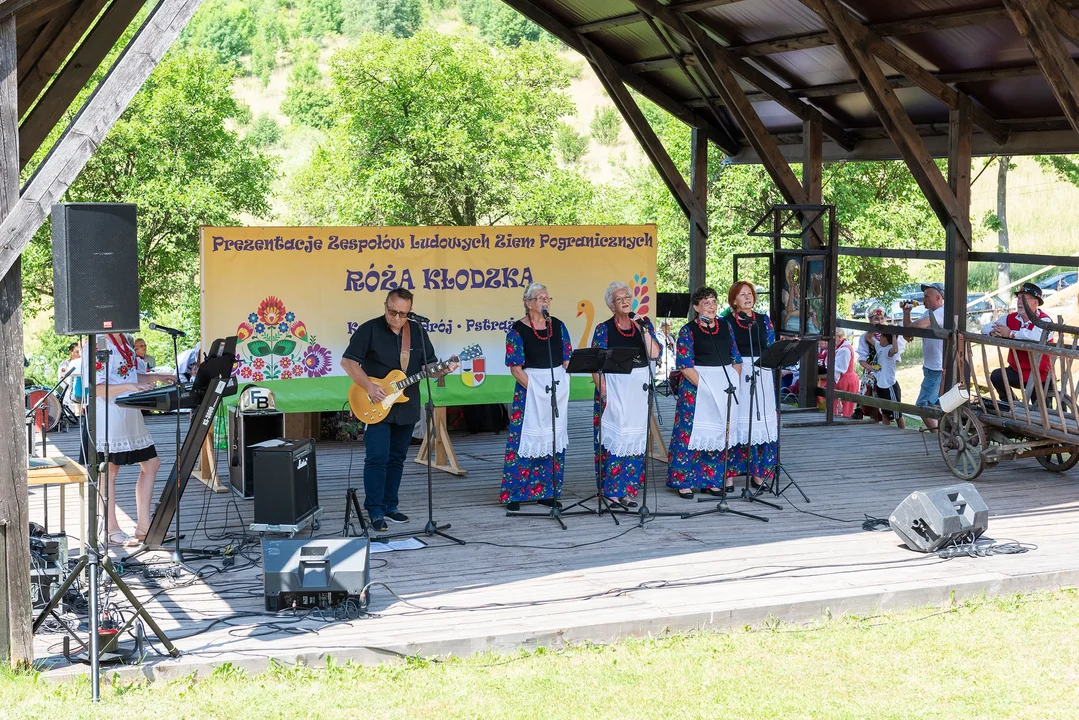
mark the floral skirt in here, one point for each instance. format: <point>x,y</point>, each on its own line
<point>690,468</point>
<point>525,479</point>
<point>760,460</point>
<point>622,474</point>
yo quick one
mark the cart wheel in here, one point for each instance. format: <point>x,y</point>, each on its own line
<point>962,443</point>
<point>316,525</point>
<point>1061,460</point>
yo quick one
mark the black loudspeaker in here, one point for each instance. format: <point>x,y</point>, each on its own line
<point>245,430</point>
<point>95,268</point>
<point>308,573</point>
<point>927,521</point>
<point>286,482</point>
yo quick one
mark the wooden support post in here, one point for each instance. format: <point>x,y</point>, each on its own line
<point>813,172</point>
<point>207,468</point>
<point>445,457</point>
<point>698,237</point>
<point>957,247</point>
<point>17,644</point>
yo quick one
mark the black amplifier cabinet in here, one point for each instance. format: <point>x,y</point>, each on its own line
<point>286,482</point>
<point>247,429</point>
<point>307,573</point>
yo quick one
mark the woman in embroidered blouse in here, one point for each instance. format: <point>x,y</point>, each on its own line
<point>758,455</point>
<point>620,402</point>
<point>708,357</point>
<point>129,441</point>
<point>532,344</point>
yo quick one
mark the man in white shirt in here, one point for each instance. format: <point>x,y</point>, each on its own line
<point>187,363</point>
<point>932,349</point>
<point>1017,326</point>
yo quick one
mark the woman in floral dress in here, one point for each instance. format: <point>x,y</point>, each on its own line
<point>708,357</point>
<point>533,343</point>
<point>620,403</point>
<point>756,455</point>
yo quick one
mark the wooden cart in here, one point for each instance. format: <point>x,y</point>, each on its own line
<point>1038,420</point>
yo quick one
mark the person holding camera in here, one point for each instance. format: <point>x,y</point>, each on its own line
<point>932,348</point>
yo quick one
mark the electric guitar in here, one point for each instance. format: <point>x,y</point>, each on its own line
<point>370,412</point>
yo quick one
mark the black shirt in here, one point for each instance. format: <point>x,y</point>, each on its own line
<point>377,349</point>
<point>537,354</point>
<point>753,340</point>
<point>616,339</point>
<point>711,350</point>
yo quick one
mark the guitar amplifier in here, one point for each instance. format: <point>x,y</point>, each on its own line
<point>286,482</point>
<point>246,429</point>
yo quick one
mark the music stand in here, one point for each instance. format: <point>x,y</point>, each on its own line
<point>605,361</point>
<point>783,352</point>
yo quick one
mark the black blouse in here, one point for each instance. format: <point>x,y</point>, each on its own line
<point>753,340</point>
<point>711,350</point>
<point>615,339</point>
<point>538,353</point>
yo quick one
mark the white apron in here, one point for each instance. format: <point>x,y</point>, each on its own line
<point>536,424</point>
<point>763,410</point>
<point>625,420</point>
<point>710,414</point>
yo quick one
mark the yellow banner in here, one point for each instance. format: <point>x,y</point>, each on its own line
<point>294,295</point>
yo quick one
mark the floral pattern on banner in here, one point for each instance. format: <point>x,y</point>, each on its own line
<point>273,345</point>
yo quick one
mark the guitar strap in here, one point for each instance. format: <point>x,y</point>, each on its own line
<point>406,346</point>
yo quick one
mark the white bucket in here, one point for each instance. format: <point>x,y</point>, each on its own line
<point>954,398</point>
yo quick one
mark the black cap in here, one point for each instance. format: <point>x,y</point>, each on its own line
<point>1033,290</point>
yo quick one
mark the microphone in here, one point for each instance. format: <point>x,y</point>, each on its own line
<point>169,331</point>
<point>706,320</point>
<point>417,317</point>
<point>546,315</point>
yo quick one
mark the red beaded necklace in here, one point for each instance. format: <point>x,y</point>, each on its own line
<point>752,320</point>
<point>547,327</point>
<point>713,331</point>
<point>623,333</point>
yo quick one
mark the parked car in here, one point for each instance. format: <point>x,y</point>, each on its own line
<point>982,310</point>
<point>1058,282</point>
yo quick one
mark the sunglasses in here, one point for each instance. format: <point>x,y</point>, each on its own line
<point>397,313</point>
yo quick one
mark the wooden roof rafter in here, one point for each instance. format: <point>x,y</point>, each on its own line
<point>1041,23</point>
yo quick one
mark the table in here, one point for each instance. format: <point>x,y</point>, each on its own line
<point>71,473</point>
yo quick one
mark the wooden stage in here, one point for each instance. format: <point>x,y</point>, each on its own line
<point>523,582</point>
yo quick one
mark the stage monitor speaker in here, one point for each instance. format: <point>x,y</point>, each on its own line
<point>318,573</point>
<point>928,520</point>
<point>286,482</point>
<point>95,268</point>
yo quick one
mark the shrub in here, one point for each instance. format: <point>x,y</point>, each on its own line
<point>570,145</point>
<point>399,18</point>
<point>265,132</point>
<point>606,125</point>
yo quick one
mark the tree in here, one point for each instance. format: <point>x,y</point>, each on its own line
<point>269,40</point>
<point>570,144</point>
<point>399,18</point>
<point>1004,270</point>
<point>307,99</point>
<point>434,130</point>
<point>224,26</point>
<point>173,154</point>
<point>499,23</point>
<point>317,18</point>
<point>606,125</point>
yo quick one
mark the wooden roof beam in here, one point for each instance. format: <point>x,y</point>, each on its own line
<point>648,139</point>
<point>1033,21</point>
<point>854,46</point>
<point>94,120</point>
<point>585,47</point>
<point>636,17</point>
<point>921,77</point>
<point>39,64</point>
<point>682,26</point>
<point>1065,22</point>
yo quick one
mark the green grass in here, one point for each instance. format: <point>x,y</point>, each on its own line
<point>989,658</point>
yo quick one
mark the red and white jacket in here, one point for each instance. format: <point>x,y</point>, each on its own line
<point>1022,330</point>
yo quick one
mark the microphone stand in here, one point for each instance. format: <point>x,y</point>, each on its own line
<point>556,507</point>
<point>644,512</point>
<point>721,507</point>
<point>431,528</point>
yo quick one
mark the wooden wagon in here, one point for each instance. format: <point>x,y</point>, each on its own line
<point>1037,420</point>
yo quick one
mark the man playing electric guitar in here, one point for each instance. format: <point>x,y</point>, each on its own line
<point>383,344</point>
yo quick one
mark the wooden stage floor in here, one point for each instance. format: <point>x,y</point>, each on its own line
<point>523,582</point>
